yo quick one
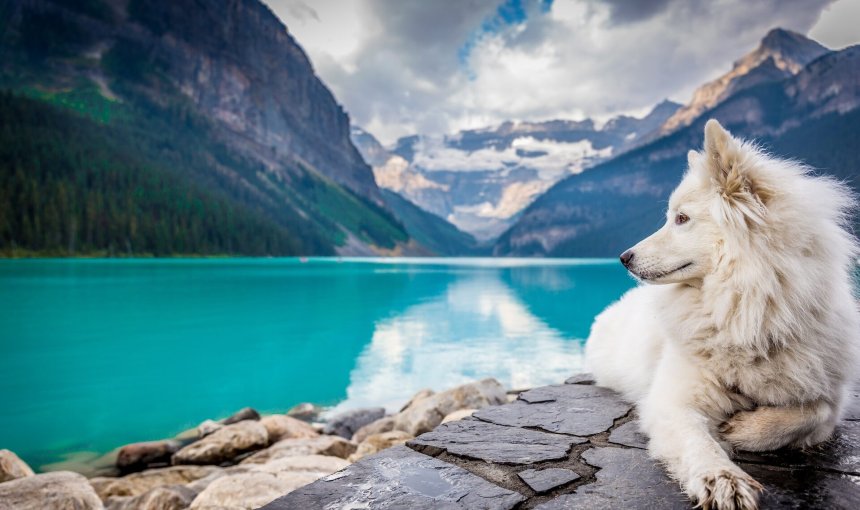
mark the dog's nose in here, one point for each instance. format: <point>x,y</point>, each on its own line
<point>626,257</point>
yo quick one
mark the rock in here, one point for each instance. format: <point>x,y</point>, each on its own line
<point>281,426</point>
<point>378,427</point>
<point>400,478</point>
<point>246,491</point>
<point>583,378</point>
<point>139,456</point>
<point>542,480</point>
<point>790,488</point>
<point>61,490</point>
<point>347,423</point>
<point>171,497</point>
<point>421,395</point>
<point>494,443</point>
<point>224,444</point>
<point>320,465</point>
<point>567,408</point>
<point>12,467</point>
<point>138,483</point>
<point>626,479</point>
<point>378,442</point>
<point>426,414</point>
<point>207,427</point>
<point>305,412</point>
<point>246,413</point>
<point>852,403</point>
<point>334,446</point>
<point>459,415</point>
<point>629,434</point>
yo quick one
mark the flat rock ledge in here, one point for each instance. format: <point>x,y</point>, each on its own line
<point>573,445</point>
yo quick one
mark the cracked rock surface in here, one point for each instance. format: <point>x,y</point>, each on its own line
<point>568,446</point>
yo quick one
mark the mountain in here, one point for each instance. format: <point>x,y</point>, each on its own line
<point>812,115</point>
<point>481,179</point>
<point>215,98</point>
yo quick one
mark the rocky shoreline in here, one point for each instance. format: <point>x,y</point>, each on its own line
<point>243,461</point>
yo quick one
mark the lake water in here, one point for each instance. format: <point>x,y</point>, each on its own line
<point>98,353</point>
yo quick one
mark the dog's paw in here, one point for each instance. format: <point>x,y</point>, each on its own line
<point>725,490</point>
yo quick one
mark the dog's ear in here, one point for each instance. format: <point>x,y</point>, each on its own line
<point>732,173</point>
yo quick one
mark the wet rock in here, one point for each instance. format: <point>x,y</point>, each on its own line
<point>542,480</point>
<point>626,479</point>
<point>347,423</point>
<point>138,483</point>
<point>378,427</point>
<point>172,497</point>
<point>804,488</point>
<point>583,378</point>
<point>60,490</point>
<point>459,415</point>
<point>400,478</point>
<point>426,414</point>
<point>245,491</point>
<point>334,446</point>
<point>139,456</point>
<point>281,426</point>
<point>420,395</point>
<point>495,443</point>
<point>12,467</point>
<point>305,412</point>
<point>224,444</point>
<point>378,442</point>
<point>246,413</point>
<point>629,434</point>
<point>576,409</point>
<point>852,404</point>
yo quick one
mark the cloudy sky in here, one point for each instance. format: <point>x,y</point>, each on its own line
<point>436,66</point>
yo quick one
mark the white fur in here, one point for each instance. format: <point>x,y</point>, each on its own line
<point>752,342</point>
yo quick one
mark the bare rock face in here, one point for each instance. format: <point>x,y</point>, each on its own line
<point>333,446</point>
<point>12,467</point>
<point>224,444</point>
<point>281,426</point>
<point>139,483</point>
<point>425,414</point>
<point>378,442</point>
<point>171,497</point>
<point>62,490</point>
<point>138,456</point>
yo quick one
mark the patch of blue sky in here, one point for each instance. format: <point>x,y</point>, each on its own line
<point>508,13</point>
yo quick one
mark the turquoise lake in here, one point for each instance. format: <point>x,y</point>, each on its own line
<point>98,353</point>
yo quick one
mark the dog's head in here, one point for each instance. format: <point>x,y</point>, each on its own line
<point>723,191</point>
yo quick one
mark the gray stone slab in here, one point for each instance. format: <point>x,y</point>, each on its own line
<point>627,479</point>
<point>629,434</point>
<point>852,405</point>
<point>400,478</point>
<point>840,453</point>
<point>495,443</point>
<point>576,409</point>
<point>583,378</point>
<point>805,488</point>
<point>542,480</point>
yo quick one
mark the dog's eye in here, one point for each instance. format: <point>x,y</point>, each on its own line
<point>681,218</point>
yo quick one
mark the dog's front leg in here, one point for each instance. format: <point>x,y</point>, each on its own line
<point>681,436</point>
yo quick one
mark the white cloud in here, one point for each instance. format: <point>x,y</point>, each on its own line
<point>427,67</point>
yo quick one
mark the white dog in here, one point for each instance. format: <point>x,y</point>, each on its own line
<point>752,336</point>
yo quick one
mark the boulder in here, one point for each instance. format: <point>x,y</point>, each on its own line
<point>281,426</point>
<point>347,423</point>
<point>425,414</point>
<point>333,446</point>
<point>207,427</point>
<point>421,395</point>
<point>458,415</point>
<point>224,444</point>
<point>246,413</point>
<point>378,427</point>
<point>139,456</point>
<point>60,490</point>
<point>320,465</point>
<point>138,483</point>
<point>305,412</point>
<point>171,497</point>
<point>12,467</point>
<point>378,442</point>
<point>249,490</point>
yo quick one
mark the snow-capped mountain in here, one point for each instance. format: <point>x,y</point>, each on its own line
<point>479,180</point>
